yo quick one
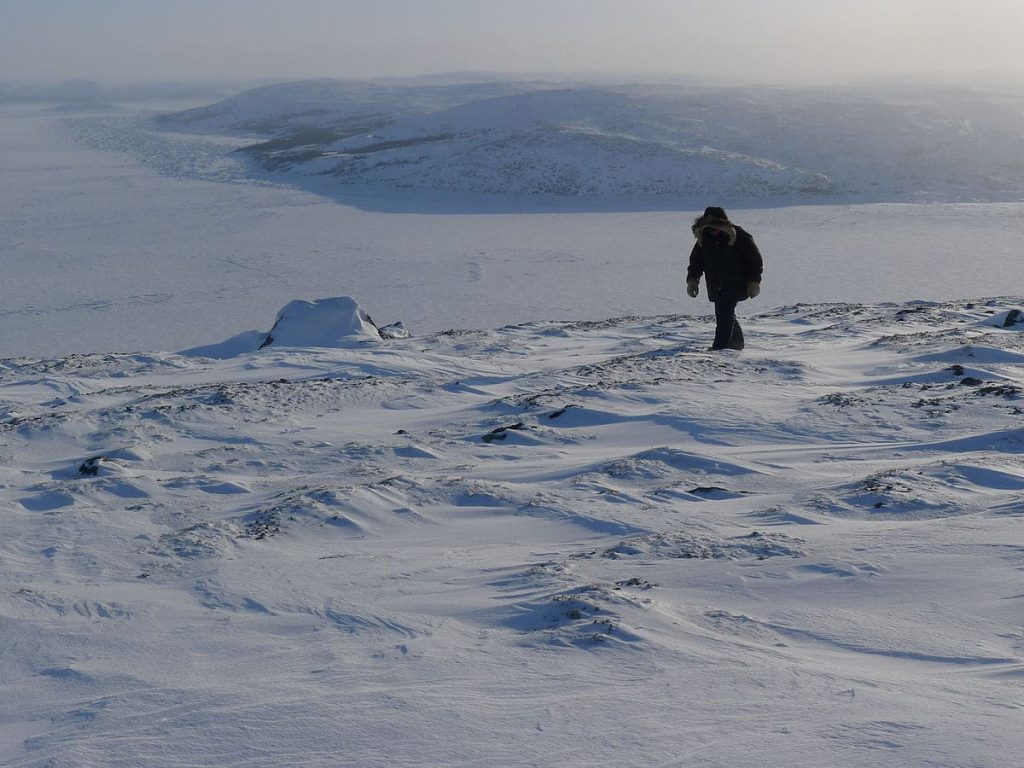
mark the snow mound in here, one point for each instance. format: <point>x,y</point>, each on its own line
<point>330,322</point>
<point>323,323</point>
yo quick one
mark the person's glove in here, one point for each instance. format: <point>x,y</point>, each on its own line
<point>753,289</point>
<point>692,288</point>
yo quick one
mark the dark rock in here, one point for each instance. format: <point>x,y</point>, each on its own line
<point>560,411</point>
<point>261,524</point>
<point>90,467</point>
<point>393,331</point>
<point>901,314</point>
<point>1003,390</point>
<point>840,399</point>
<point>499,432</point>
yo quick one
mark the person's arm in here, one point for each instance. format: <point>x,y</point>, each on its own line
<point>696,266</point>
<point>694,271</point>
<point>754,267</point>
<point>754,263</point>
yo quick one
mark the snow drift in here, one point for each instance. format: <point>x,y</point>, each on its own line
<point>330,322</point>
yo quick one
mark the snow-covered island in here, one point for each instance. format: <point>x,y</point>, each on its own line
<point>629,141</point>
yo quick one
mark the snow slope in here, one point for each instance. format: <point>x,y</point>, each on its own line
<point>559,543</point>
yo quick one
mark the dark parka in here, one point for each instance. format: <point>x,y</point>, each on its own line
<point>728,261</point>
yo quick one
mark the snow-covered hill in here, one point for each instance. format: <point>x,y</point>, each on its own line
<point>560,543</point>
<point>330,104</point>
<point>628,142</point>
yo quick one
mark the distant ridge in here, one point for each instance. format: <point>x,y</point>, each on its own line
<point>630,141</point>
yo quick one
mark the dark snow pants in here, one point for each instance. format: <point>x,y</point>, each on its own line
<point>728,333</point>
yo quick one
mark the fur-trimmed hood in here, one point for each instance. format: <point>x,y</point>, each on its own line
<point>709,220</point>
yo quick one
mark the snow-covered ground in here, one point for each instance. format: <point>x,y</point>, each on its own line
<point>566,542</point>
<point>137,250</point>
<point>559,543</point>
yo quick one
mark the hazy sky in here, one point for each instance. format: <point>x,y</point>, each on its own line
<point>752,40</point>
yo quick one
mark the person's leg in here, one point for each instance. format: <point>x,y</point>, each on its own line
<point>736,342</point>
<point>725,323</point>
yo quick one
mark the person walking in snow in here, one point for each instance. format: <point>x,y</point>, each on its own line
<point>731,264</point>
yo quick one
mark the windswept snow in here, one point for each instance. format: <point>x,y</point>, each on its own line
<point>559,543</point>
